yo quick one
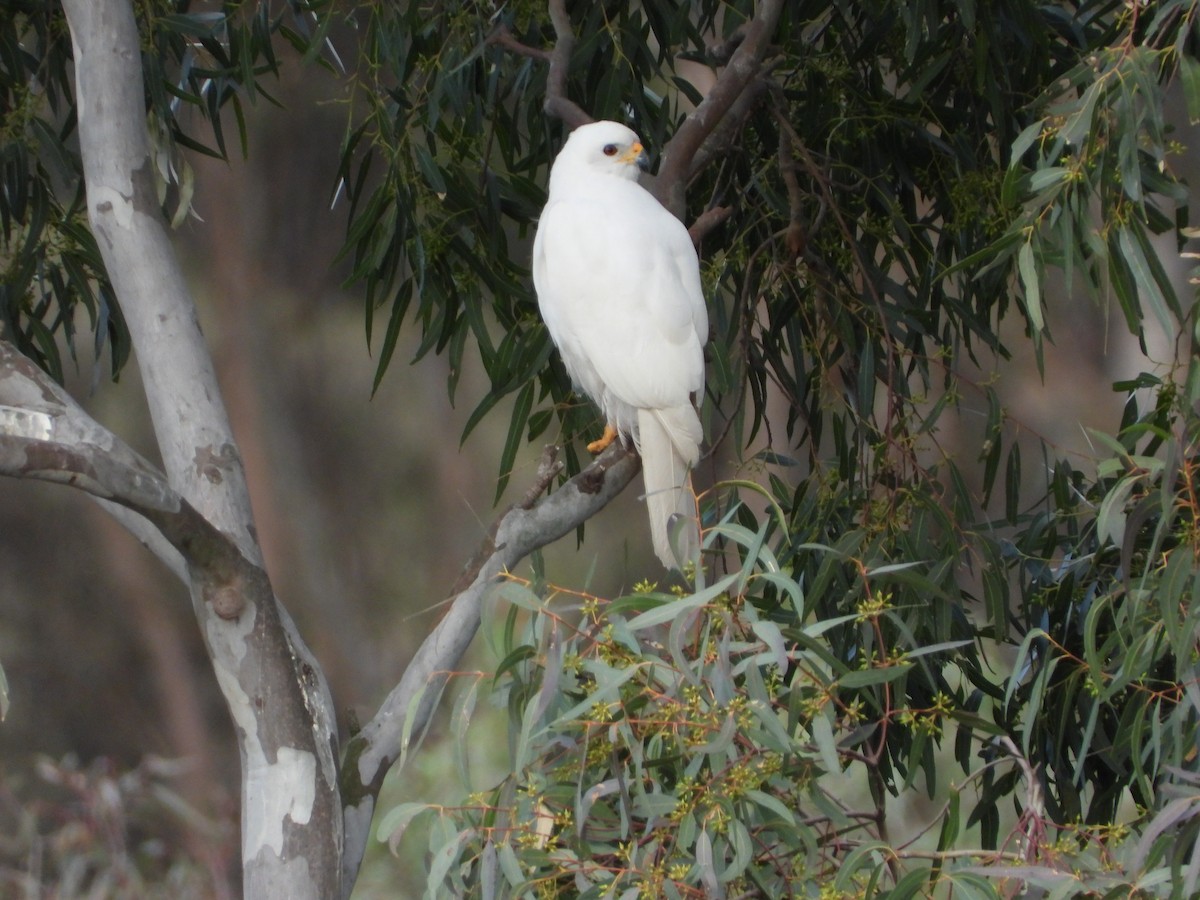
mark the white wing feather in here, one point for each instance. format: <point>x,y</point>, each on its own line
<point>619,300</point>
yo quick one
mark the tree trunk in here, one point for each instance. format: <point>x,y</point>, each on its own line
<point>291,813</point>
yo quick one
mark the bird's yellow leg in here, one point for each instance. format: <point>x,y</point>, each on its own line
<point>610,435</point>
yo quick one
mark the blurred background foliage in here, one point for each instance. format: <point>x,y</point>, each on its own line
<point>947,640</point>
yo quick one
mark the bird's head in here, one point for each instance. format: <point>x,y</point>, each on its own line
<point>603,148</point>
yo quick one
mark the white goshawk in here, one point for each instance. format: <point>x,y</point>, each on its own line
<point>618,283</point>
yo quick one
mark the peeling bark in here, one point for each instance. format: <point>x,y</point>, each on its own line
<point>291,812</point>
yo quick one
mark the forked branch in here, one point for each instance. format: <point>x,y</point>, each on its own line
<point>46,436</point>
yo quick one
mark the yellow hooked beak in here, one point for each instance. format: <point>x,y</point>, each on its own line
<point>636,155</point>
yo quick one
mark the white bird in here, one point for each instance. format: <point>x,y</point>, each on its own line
<point>618,284</point>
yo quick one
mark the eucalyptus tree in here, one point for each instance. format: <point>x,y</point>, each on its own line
<point>875,189</point>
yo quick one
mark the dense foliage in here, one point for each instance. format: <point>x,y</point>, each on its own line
<point>901,610</point>
<point>885,614</point>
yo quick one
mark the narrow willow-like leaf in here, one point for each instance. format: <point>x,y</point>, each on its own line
<point>391,826</point>
<point>515,439</point>
<point>674,609</point>
<point>1189,71</point>
<point>1031,280</point>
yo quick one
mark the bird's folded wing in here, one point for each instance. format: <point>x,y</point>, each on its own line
<point>612,285</point>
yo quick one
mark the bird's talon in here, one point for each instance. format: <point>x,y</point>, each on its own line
<point>597,447</point>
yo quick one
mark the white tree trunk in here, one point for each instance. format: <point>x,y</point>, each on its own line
<point>291,813</point>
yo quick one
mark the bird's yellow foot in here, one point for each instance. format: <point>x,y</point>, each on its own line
<point>610,435</point>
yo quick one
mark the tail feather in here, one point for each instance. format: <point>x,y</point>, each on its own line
<point>669,441</point>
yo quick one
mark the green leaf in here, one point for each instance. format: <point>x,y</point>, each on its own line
<point>669,612</point>
<point>1030,278</point>
<point>460,719</point>
<point>773,805</point>
<point>821,729</point>
<point>510,865</point>
<point>931,649</point>
<point>876,571</point>
<point>910,885</point>
<point>866,381</point>
<point>743,851</point>
<point>1025,140</point>
<point>859,678</point>
<point>950,821</point>
<point>515,440</point>
<point>1012,483</point>
<point>1042,179</point>
<point>1110,521</point>
<point>1022,660</point>
<point>770,634</point>
<point>394,822</point>
<point>443,860</point>
<point>391,335</point>
<point>1152,280</point>
<point>1189,72</point>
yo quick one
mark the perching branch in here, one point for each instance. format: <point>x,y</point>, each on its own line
<point>707,221</point>
<point>514,535</point>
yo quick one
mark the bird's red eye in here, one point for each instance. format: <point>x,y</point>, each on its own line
<point>610,149</point>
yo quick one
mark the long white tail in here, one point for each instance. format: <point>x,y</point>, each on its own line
<point>669,441</point>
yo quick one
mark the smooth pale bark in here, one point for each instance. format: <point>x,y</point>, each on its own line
<point>291,812</point>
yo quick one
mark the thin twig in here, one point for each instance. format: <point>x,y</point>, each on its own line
<point>549,465</point>
<point>795,239</point>
<point>502,36</point>
<point>707,221</point>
